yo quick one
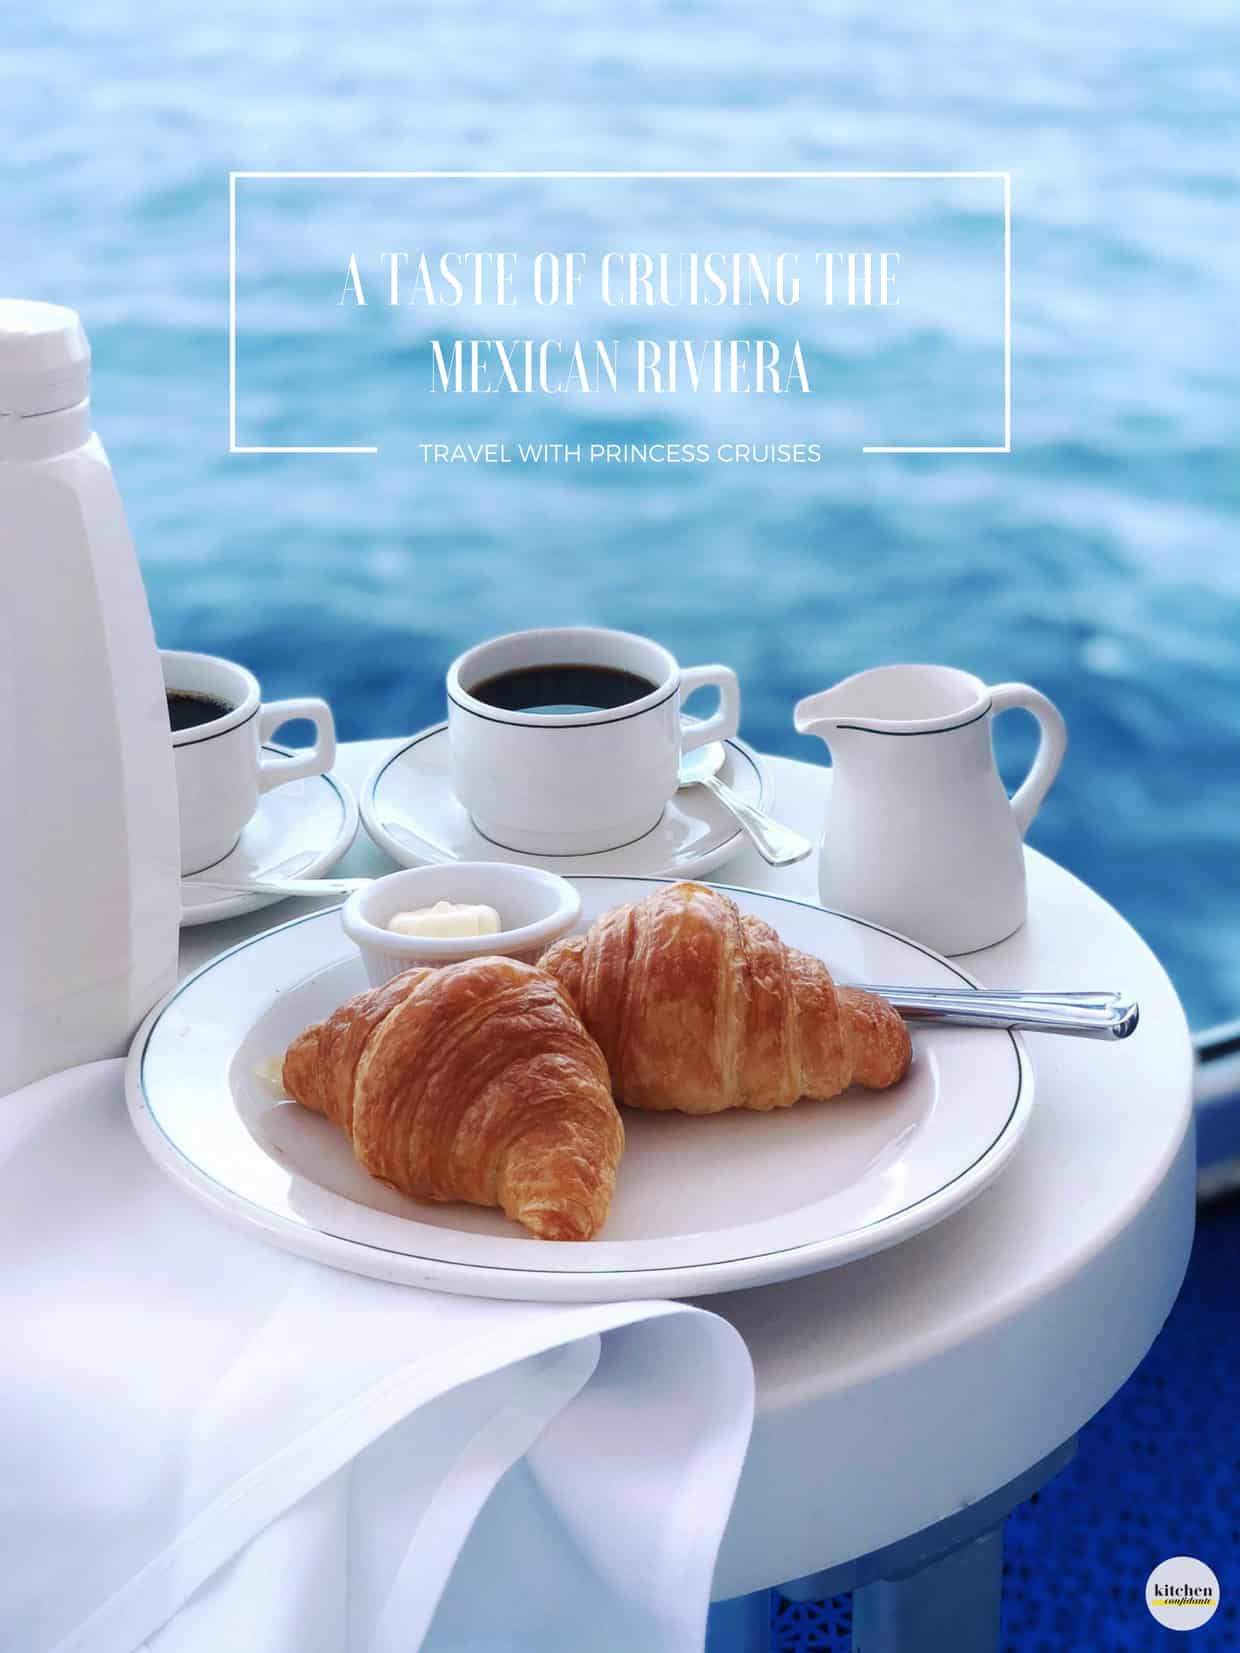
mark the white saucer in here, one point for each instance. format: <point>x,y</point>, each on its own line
<point>310,822</point>
<point>410,810</point>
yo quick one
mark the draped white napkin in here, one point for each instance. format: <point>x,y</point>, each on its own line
<point>209,1446</point>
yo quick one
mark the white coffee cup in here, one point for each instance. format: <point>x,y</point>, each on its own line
<point>221,768</point>
<point>576,783</point>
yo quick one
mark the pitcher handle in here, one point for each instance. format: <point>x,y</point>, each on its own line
<point>1027,799</point>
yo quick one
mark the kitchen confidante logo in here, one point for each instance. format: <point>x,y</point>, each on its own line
<point>1182,1593</point>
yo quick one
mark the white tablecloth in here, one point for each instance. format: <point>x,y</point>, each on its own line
<point>209,1446</point>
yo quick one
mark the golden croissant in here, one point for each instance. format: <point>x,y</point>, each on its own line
<point>472,1082</point>
<point>699,1007</point>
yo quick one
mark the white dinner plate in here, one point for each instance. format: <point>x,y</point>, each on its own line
<point>702,1204</point>
<point>411,811</point>
<point>302,827</point>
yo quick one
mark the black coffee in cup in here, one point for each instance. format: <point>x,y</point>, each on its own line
<point>568,740</point>
<point>562,689</point>
<point>187,710</point>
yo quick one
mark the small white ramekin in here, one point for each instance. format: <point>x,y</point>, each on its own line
<point>534,907</point>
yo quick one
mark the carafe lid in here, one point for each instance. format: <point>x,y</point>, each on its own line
<point>44,358</point>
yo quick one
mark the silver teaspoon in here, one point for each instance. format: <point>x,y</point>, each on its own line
<point>278,886</point>
<point>1087,1015</point>
<point>777,844</point>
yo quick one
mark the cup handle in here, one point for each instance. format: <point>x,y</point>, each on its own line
<point>1027,799</point>
<point>726,721</point>
<point>275,771</point>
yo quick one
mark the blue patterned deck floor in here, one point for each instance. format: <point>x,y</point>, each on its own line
<point>1157,1474</point>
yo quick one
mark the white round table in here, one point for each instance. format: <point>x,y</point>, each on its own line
<point>907,1401</point>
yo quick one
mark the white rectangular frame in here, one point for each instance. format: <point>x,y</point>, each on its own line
<point>1005,177</point>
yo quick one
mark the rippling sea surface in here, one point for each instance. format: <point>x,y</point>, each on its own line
<point>1098,560</point>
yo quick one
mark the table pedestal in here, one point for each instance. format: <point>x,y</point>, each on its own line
<point>950,1605</point>
<point>742,1625</point>
<point>936,1592</point>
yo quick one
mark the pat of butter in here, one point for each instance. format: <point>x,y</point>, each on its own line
<point>447,918</point>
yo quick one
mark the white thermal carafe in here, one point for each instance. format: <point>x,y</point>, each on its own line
<point>90,906</point>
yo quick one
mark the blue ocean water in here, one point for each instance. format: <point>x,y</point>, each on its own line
<point>1096,561</point>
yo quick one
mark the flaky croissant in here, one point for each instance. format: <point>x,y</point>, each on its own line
<point>699,1007</point>
<point>472,1082</point>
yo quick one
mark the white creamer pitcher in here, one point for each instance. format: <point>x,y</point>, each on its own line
<point>88,807</point>
<point>920,835</point>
